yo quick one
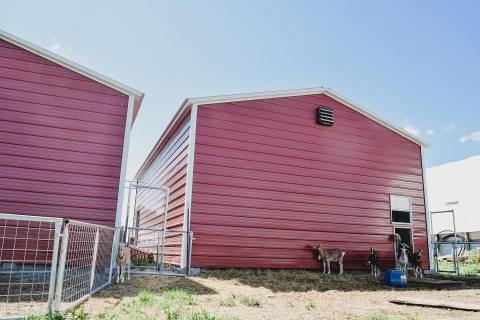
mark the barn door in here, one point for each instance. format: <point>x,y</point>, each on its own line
<point>402,235</point>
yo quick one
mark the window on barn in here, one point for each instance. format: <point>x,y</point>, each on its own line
<point>401,209</point>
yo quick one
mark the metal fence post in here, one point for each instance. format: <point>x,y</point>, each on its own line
<point>94,258</point>
<point>61,268</point>
<point>53,268</point>
<point>113,256</point>
<point>189,256</point>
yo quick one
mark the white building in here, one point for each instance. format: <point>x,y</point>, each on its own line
<point>456,183</point>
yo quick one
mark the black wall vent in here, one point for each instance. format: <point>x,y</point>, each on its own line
<point>325,116</point>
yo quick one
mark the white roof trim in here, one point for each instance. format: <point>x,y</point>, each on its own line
<point>187,103</point>
<point>307,91</point>
<point>47,54</point>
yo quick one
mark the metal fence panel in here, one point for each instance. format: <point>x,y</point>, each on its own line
<point>28,260</point>
<point>461,258</point>
<point>157,251</point>
<point>85,262</point>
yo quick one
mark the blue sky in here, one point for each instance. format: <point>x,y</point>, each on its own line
<point>414,63</point>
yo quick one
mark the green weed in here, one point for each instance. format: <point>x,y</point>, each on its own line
<point>251,302</point>
<point>145,297</point>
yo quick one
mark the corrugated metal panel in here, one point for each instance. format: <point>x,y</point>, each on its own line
<point>168,169</point>
<point>61,140</point>
<point>269,183</point>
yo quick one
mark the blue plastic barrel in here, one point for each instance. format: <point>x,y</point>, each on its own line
<point>395,278</point>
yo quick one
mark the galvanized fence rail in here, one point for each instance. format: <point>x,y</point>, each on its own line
<point>51,264</point>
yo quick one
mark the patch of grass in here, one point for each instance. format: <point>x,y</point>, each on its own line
<point>172,312</point>
<point>47,316</point>
<point>145,297</point>
<point>205,315</point>
<point>76,314</point>
<point>179,296</point>
<point>229,302</point>
<point>378,316</point>
<point>105,316</point>
<point>310,305</point>
<point>250,302</point>
<point>72,314</point>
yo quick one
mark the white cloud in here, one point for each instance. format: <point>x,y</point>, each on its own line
<point>60,49</point>
<point>474,136</point>
<point>55,47</point>
<point>412,130</point>
<point>430,132</point>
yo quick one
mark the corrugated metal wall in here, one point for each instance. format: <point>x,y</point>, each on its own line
<point>61,140</point>
<point>269,183</point>
<point>169,169</point>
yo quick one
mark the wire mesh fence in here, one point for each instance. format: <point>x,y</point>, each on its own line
<point>48,264</point>
<point>85,261</point>
<point>158,250</point>
<point>461,258</point>
<point>28,253</point>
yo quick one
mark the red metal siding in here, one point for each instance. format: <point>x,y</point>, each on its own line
<point>61,140</point>
<point>168,168</point>
<point>269,183</point>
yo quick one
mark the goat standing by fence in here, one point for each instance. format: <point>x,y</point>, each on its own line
<point>123,262</point>
<point>373,261</point>
<point>330,255</point>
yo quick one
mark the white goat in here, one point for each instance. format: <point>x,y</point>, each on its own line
<point>123,262</point>
<point>330,255</point>
<point>403,259</point>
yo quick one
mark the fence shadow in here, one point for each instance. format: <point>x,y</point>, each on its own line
<point>307,280</point>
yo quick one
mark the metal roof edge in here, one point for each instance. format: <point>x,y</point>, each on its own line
<point>187,103</point>
<point>47,54</point>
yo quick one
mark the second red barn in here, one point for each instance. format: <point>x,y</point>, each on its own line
<point>261,178</point>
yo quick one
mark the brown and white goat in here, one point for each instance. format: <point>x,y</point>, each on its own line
<point>373,262</point>
<point>330,255</point>
<point>403,259</point>
<point>417,263</point>
<point>123,262</point>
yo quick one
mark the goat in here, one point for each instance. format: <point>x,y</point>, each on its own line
<point>330,255</point>
<point>123,262</point>
<point>403,259</point>
<point>417,263</point>
<point>373,261</point>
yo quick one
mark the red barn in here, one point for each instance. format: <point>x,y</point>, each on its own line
<point>260,178</point>
<point>64,135</point>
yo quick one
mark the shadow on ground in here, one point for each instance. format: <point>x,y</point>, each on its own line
<point>154,284</point>
<point>306,280</point>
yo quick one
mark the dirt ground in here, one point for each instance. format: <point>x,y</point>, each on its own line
<point>284,294</point>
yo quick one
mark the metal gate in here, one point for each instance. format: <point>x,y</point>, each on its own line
<point>157,244</point>
<point>452,251</point>
<point>444,253</point>
<point>158,251</point>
